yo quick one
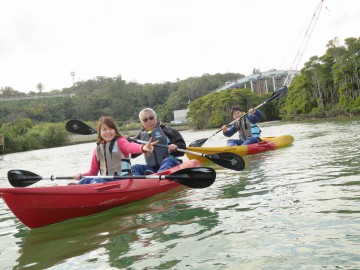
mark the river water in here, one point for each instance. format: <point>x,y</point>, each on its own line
<point>293,208</point>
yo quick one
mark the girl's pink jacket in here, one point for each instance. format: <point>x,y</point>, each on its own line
<point>124,145</point>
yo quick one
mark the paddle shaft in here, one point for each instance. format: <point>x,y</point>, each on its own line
<point>114,177</point>
<point>277,94</point>
<point>167,147</point>
<point>228,125</point>
<point>237,119</point>
<point>228,160</point>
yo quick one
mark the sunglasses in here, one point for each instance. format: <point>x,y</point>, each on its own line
<point>150,118</point>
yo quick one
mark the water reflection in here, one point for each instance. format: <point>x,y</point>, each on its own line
<point>119,232</point>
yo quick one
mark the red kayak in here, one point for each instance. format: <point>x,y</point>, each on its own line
<point>41,206</point>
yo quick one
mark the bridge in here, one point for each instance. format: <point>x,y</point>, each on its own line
<point>262,82</point>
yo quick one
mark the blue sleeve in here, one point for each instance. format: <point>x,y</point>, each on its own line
<point>254,118</point>
<point>230,131</point>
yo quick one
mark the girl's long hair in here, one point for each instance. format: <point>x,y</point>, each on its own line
<point>109,121</point>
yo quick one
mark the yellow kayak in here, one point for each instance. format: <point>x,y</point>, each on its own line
<point>267,144</point>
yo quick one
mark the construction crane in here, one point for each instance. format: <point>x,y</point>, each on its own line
<point>293,70</point>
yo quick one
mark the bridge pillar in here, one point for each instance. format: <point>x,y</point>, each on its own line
<point>274,83</point>
<point>266,86</point>
<point>252,86</point>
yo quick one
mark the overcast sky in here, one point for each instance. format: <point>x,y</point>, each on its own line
<point>160,40</point>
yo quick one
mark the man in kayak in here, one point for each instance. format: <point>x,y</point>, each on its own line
<point>249,132</point>
<point>112,153</point>
<point>160,159</point>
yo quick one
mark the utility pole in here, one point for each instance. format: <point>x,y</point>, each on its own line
<point>72,74</point>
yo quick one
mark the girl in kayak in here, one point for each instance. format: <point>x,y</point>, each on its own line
<point>112,153</point>
<point>249,132</point>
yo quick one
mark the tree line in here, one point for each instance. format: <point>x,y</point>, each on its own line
<point>33,121</point>
<point>88,100</point>
<point>328,85</point>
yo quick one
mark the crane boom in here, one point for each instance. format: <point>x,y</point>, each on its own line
<point>293,70</point>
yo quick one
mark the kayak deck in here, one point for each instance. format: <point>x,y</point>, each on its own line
<point>267,144</point>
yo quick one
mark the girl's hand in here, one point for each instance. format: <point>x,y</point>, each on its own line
<point>149,147</point>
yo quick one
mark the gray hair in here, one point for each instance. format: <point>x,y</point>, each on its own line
<point>147,110</point>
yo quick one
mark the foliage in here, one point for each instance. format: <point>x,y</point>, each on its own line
<point>131,126</point>
<point>112,96</point>
<point>22,135</point>
<point>214,109</point>
<point>22,115</point>
<point>88,100</point>
<point>327,86</point>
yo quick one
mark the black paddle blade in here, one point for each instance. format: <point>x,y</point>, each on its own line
<point>198,143</point>
<point>78,127</point>
<point>228,160</point>
<point>278,93</point>
<point>22,178</point>
<point>198,177</point>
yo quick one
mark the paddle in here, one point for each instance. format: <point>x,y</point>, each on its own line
<point>276,95</point>
<point>228,160</point>
<point>198,177</point>
<point>78,127</point>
